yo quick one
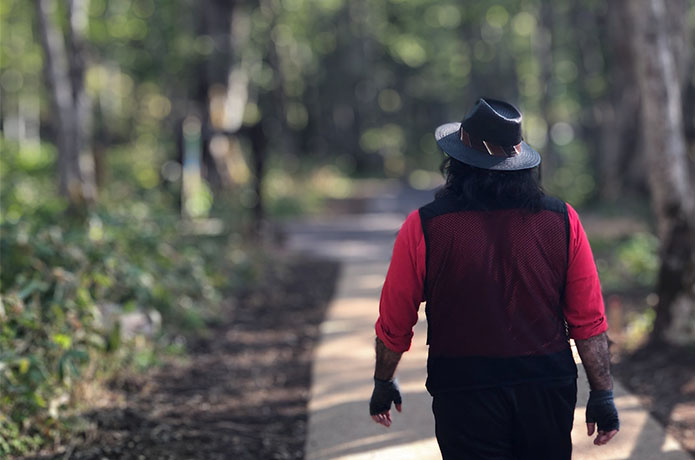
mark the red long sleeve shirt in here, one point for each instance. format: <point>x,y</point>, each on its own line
<point>403,289</point>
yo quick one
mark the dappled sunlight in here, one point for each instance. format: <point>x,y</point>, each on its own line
<point>400,445</point>
<point>349,237</point>
<point>339,425</point>
<point>344,430</point>
<point>369,282</point>
<point>363,285</point>
<point>640,435</point>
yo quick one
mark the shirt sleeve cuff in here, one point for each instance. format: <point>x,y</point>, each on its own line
<point>587,331</point>
<point>397,344</point>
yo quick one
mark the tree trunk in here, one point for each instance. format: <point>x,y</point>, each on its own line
<point>658,64</point>
<point>259,146</point>
<point>285,138</point>
<point>65,78</point>
<point>620,171</point>
<point>211,98</point>
<point>78,18</point>
<point>543,46</point>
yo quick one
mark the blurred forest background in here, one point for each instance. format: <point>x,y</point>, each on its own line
<point>147,147</point>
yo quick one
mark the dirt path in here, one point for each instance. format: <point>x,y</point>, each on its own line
<point>243,392</point>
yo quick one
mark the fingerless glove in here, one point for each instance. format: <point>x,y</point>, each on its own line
<point>385,392</point>
<point>601,410</point>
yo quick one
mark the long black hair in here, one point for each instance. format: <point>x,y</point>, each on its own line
<point>491,189</point>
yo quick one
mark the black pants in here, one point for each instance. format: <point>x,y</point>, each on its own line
<point>531,421</point>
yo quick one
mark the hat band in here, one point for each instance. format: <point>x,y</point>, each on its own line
<point>491,149</point>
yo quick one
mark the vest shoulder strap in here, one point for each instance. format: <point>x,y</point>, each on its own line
<point>449,204</point>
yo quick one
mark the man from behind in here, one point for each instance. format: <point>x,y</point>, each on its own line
<point>508,278</point>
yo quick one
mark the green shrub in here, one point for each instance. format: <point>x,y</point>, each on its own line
<point>629,263</point>
<point>57,270</point>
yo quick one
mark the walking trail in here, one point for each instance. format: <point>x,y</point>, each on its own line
<point>339,422</point>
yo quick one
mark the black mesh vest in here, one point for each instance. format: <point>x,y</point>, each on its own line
<point>494,290</point>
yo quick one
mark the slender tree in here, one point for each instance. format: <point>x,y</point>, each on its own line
<point>619,170</point>
<point>65,67</point>
<point>212,93</point>
<point>660,59</point>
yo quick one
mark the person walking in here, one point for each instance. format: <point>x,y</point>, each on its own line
<point>508,278</point>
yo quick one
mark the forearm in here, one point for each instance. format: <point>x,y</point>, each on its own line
<point>596,360</point>
<point>386,361</point>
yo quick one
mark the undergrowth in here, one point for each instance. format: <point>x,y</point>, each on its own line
<point>60,275</point>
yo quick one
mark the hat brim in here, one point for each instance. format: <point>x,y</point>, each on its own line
<point>447,136</point>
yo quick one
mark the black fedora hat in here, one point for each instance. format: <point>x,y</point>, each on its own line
<point>489,137</point>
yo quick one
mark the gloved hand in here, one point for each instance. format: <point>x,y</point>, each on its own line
<point>601,410</point>
<point>385,392</point>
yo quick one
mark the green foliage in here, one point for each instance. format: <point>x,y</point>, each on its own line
<point>387,73</point>
<point>58,272</point>
<point>12,440</point>
<point>362,85</point>
<point>638,327</point>
<point>630,263</point>
<point>639,259</point>
<point>304,192</point>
